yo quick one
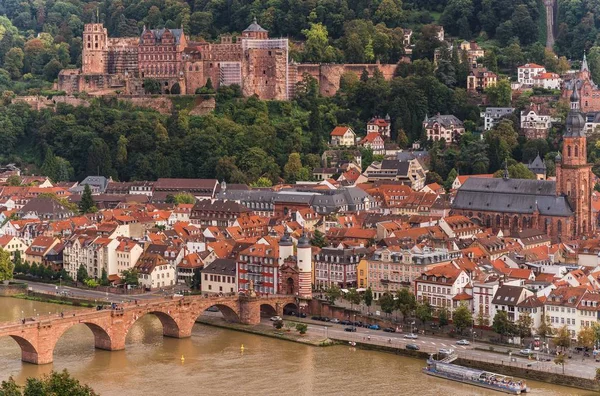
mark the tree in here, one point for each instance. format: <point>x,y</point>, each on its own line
<point>52,69</point>
<point>13,62</point>
<point>82,274</point>
<point>462,318</point>
<point>13,180</point>
<point>368,297</point>
<point>560,360</point>
<point>55,383</point>
<point>500,95</point>
<point>292,168</point>
<point>517,171</point>
<point>333,293</point>
<point>405,302</point>
<point>586,337</point>
<point>443,317</point>
<point>423,312</point>
<point>196,279</point>
<point>562,338</point>
<point>184,198</point>
<point>353,297</point>
<point>387,303</point>
<point>318,239</point>
<point>501,324</point>
<point>316,46</point>
<point>450,179</point>
<point>524,324</point>
<point>6,266</point>
<point>261,182</point>
<point>545,329</point>
<point>152,86</point>
<point>104,278</point>
<point>87,205</point>
<point>130,277</point>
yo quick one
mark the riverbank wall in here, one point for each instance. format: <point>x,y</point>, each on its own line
<point>517,372</point>
<point>48,298</point>
<point>12,289</point>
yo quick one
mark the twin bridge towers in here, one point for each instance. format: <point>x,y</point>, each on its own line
<point>37,337</point>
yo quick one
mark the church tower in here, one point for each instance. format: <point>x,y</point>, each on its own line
<point>573,173</point>
<point>304,255</point>
<point>95,49</point>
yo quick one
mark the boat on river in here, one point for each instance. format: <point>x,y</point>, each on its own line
<point>485,379</point>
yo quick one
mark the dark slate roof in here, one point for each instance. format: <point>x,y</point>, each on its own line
<point>44,206</point>
<point>444,120</point>
<point>511,196</point>
<point>255,27</point>
<point>537,163</point>
<point>158,33</point>
<point>221,267</point>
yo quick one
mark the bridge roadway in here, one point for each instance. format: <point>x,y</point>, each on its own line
<point>38,336</point>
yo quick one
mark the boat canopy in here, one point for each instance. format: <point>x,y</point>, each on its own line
<point>459,370</point>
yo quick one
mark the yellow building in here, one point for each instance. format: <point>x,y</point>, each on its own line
<point>362,274</point>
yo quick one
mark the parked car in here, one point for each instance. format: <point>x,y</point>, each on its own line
<point>389,330</point>
<point>463,342</point>
<point>276,318</point>
<point>445,351</point>
<point>316,318</point>
<point>325,319</point>
<point>526,351</point>
<point>374,327</point>
<point>412,347</point>
<point>350,329</point>
<point>411,336</point>
<point>213,309</point>
<point>345,322</point>
<point>334,320</point>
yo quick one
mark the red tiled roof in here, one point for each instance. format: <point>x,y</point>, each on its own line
<point>339,130</point>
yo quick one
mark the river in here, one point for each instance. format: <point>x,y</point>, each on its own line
<point>215,365</point>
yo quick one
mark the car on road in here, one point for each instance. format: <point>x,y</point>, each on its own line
<point>526,351</point>
<point>389,330</point>
<point>276,318</point>
<point>444,351</point>
<point>350,329</point>
<point>325,319</point>
<point>213,309</point>
<point>334,320</point>
<point>463,342</point>
<point>411,336</point>
<point>412,347</point>
<point>315,318</point>
<point>345,322</point>
<point>374,327</point>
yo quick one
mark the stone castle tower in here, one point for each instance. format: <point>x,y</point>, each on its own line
<point>95,49</point>
<point>573,173</point>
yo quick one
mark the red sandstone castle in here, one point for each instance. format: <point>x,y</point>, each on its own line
<point>258,64</point>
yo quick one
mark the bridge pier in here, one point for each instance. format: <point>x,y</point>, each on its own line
<point>249,312</point>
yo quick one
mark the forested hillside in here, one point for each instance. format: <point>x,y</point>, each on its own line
<point>246,139</point>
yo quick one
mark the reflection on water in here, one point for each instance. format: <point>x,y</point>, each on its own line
<point>215,365</point>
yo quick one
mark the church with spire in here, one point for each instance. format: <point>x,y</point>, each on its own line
<point>561,208</point>
<point>587,90</point>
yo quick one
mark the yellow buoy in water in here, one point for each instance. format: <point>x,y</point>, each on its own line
<point>242,348</point>
<point>182,359</point>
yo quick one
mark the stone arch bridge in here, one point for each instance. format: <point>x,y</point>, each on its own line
<point>37,338</point>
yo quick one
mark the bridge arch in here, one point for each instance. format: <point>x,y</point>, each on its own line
<point>29,352</point>
<point>229,313</point>
<point>267,310</point>
<point>102,339</point>
<point>290,309</point>
<point>170,325</point>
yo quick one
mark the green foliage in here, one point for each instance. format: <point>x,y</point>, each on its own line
<point>262,182</point>
<point>91,283</point>
<point>130,277</point>
<point>152,86</point>
<point>500,95</point>
<point>462,318</point>
<point>104,278</point>
<point>501,324</point>
<point>368,297</point>
<point>318,239</point>
<point>405,302</point>
<point>562,338</point>
<point>333,293</point>
<point>424,312</point>
<point>55,383</point>
<point>301,328</point>
<point>6,266</point>
<point>82,274</point>
<point>443,316</point>
<point>184,198</point>
<point>87,205</point>
<point>353,296</point>
<point>387,303</point>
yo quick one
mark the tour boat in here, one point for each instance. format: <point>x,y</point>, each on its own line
<point>484,379</point>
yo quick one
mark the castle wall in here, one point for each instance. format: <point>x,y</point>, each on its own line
<point>328,75</point>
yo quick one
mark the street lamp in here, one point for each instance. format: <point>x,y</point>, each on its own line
<point>326,333</point>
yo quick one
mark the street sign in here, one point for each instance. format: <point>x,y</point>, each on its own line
<point>377,313</point>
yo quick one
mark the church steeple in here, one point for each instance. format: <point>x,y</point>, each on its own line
<point>584,64</point>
